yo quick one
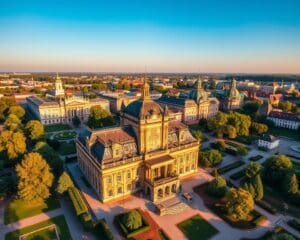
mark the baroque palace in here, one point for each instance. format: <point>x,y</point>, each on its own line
<point>147,152</point>
<point>58,108</point>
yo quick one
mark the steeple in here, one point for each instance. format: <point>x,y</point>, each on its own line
<point>146,90</point>
<point>199,83</point>
<point>234,93</point>
<point>59,90</point>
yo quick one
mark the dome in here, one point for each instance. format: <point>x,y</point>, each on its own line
<point>198,93</point>
<point>143,109</point>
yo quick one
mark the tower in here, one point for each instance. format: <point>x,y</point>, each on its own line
<point>59,90</point>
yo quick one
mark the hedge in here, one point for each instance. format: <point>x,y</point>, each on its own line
<point>102,230</point>
<point>294,223</point>
<point>125,231</point>
<point>266,206</point>
<point>255,158</point>
<point>77,201</point>
<point>86,220</point>
<point>230,167</point>
<point>238,175</point>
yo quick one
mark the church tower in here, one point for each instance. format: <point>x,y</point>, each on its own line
<point>59,90</point>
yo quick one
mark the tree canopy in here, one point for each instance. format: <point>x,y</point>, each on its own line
<point>35,130</point>
<point>34,178</point>
<point>17,110</point>
<point>210,158</point>
<point>99,117</point>
<point>14,143</point>
<point>239,203</point>
<point>64,183</point>
<point>132,219</point>
<point>12,122</point>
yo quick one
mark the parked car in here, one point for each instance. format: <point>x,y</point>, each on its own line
<point>187,196</point>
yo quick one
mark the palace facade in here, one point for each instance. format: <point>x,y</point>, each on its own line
<point>147,152</point>
<point>197,106</point>
<point>58,108</point>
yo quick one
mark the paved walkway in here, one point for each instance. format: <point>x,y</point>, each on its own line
<point>168,223</point>
<point>76,230</point>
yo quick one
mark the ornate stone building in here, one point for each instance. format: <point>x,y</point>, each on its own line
<point>198,105</point>
<point>58,108</point>
<point>148,152</point>
<point>230,99</point>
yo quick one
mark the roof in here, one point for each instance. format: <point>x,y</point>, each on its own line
<point>161,159</point>
<point>176,100</point>
<point>285,115</point>
<point>268,138</point>
<point>143,109</point>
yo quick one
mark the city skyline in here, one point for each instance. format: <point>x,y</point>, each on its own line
<point>254,37</point>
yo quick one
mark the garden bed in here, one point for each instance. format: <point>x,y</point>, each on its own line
<point>196,228</point>
<point>255,158</point>
<point>59,222</point>
<point>231,166</point>
<point>65,135</point>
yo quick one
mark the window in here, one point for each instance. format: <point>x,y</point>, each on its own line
<point>181,170</point>
<point>109,179</point>
<point>119,177</point>
<point>129,187</point>
<point>128,174</point>
<point>110,193</point>
<point>119,190</point>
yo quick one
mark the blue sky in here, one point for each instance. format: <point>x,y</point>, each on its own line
<point>161,36</point>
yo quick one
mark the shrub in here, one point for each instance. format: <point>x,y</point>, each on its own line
<point>230,167</point>
<point>102,230</point>
<point>77,201</point>
<point>210,158</point>
<point>255,158</point>
<point>216,187</point>
<point>86,220</point>
<point>132,220</point>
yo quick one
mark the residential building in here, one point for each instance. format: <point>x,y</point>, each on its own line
<point>285,119</point>
<point>268,142</point>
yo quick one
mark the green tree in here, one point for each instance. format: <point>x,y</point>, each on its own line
<point>255,187</point>
<point>240,122</point>
<point>217,123</point>
<point>217,187</point>
<point>34,129</point>
<point>290,184</point>
<point>242,151</point>
<point>12,122</point>
<point>99,117</point>
<point>17,110</point>
<point>34,178</point>
<point>252,170</point>
<point>276,168</point>
<point>13,143</point>
<point>50,156</point>
<point>258,128</point>
<point>239,203</point>
<point>198,135</point>
<point>132,220</point>
<point>210,158</point>
<point>251,108</point>
<point>285,106</point>
<point>64,183</point>
<point>230,131</point>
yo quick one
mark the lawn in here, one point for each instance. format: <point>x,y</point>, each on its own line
<point>65,135</point>
<point>293,134</point>
<point>18,209</point>
<point>67,148</point>
<point>61,226</point>
<point>57,127</point>
<point>196,228</point>
<point>45,233</point>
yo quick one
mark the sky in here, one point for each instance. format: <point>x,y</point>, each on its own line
<point>257,36</point>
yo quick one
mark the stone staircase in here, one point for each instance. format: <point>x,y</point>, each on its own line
<point>171,206</point>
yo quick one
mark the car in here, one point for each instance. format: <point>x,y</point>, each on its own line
<point>187,196</point>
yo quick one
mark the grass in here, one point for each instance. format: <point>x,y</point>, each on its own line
<point>66,135</point>
<point>293,134</point>
<point>61,226</point>
<point>67,148</point>
<point>47,233</point>
<point>196,228</point>
<point>17,209</point>
<point>57,127</point>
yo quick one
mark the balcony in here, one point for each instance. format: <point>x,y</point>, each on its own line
<point>163,180</point>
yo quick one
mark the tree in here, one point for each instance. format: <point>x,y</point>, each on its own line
<point>255,187</point>
<point>239,203</point>
<point>290,184</point>
<point>198,135</point>
<point>17,110</point>
<point>210,158</point>
<point>35,130</point>
<point>64,183</point>
<point>252,170</point>
<point>285,106</point>
<point>258,128</point>
<point>240,122</point>
<point>34,178</point>
<point>276,168</point>
<point>217,123</point>
<point>14,143</point>
<point>132,220</point>
<point>230,131</point>
<point>217,187</point>
<point>12,122</point>
<point>50,156</point>
<point>5,103</point>
<point>99,117</point>
<point>251,108</point>
<point>281,236</point>
<point>242,151</point>
<point>76,121</point>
